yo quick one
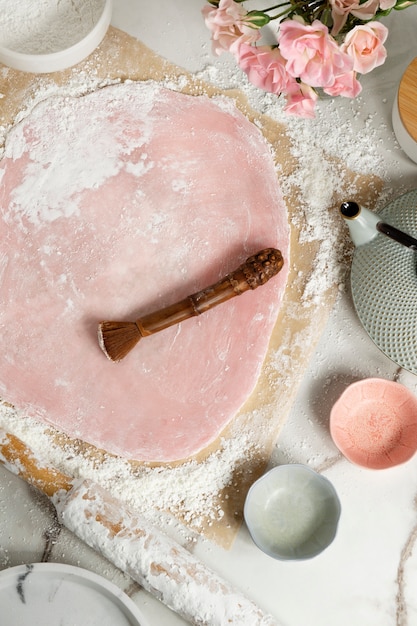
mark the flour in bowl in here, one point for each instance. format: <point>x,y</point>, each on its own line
<point>46,26</point>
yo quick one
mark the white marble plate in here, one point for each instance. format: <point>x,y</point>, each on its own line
<point>52,594</point>
<point>384,285</point>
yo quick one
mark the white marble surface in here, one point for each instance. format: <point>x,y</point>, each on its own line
<point>368,576</point>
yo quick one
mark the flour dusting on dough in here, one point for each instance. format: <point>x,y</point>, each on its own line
<point>94,181</point>
<point>197,487</point>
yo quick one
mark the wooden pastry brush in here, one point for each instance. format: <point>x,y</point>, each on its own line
<point>117,339</point>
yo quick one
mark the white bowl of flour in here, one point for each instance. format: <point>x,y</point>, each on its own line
<point>43,36</point>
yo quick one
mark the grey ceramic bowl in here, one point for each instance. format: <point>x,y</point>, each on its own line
<point>292,512</point>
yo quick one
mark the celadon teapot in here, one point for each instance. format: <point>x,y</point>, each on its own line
<point>364,225</point>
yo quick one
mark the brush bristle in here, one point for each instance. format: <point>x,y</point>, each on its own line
<point>117,339</point>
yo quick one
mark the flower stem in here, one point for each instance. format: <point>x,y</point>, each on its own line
<point>313,8</point>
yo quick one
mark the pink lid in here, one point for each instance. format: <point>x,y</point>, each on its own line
<point>374,423</point>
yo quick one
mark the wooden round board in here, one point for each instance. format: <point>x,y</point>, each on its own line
<point>407,99</point>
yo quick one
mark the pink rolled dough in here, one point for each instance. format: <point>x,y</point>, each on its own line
<point>113,205</point>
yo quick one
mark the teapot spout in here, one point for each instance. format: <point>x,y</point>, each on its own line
<point>362,223</point>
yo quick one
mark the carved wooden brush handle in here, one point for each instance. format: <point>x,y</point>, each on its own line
<point>116,339</point>
<point>256,271</point>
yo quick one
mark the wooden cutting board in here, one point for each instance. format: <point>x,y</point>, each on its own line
<point>407,99</point>
<point>298,327</point>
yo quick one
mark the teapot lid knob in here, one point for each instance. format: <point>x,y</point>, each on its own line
<point>350,209</point>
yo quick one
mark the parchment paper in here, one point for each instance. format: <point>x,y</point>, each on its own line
<point>297,329</point>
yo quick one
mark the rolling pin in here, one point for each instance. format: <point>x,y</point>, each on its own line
<point>155,561</point>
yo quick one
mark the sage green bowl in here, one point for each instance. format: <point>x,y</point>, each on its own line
<point>292,512</point>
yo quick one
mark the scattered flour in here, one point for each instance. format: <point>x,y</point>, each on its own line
<point>188,491</point>
<point>194,487</point>
<point>79,84</point>
<point>159,565</point>
<point>324,148</point>
<point>46,26</point>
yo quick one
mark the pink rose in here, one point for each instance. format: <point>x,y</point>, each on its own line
<point>364,44</point>
<point>265,67</point>
<point>346,85</point>
<point>388,4</point>
<point>227,25</point>
<point>342,8</point>
<point>312,54</point>
<point>302,102</point>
